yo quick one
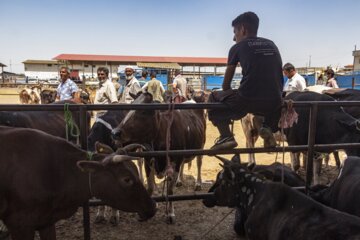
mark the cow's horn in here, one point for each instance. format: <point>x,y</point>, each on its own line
<point>224,160</point>
<point>121,158</point>
<point>132,147</point>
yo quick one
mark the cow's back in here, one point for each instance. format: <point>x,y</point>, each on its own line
<point>30,159</point>
<point>188,129</point>
<point>329,128</point>
<point>282,213</point>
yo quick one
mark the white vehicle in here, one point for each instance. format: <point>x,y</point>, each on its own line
<point>33,81</point>
<point>53,81</point>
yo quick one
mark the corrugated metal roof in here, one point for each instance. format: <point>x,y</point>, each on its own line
<point>158,65</point>
<point>30,61</point>
<point>135,59</point>
<point>2,65</point>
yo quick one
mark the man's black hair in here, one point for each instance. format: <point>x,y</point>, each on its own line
<point>331,72</point>
<point>249,20</point>
<point>144,73</point>
<point>288,67</point>
<point>103,69</point>
<point>153,74</point>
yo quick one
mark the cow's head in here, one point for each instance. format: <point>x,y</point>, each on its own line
<point>114,179</point>
<point>234,186</point>
<point>48,96</point>
<point>138,125</point>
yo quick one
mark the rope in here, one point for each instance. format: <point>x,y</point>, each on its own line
<point>169,170</point>
<point>215,225</point>
<point>70,125</point>
<point>284,115</point>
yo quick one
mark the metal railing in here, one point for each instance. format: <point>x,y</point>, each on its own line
<point>311,147</point>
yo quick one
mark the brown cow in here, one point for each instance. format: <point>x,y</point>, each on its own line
<point>48,96</point>
<point>150,127</point>
<point>47,178</point>
<point>30,96</point>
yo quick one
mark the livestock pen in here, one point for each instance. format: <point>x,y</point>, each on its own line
<point>84,108</point>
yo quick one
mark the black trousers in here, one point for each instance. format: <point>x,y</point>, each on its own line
<point>240,106</point>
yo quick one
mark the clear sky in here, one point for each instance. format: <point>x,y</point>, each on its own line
<point>41,29</point>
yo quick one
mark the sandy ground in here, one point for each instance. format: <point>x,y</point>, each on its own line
<point>193,220</point>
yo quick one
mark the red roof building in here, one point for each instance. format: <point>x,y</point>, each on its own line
<point>133,60</point>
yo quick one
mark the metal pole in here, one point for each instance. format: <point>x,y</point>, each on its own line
<point>171,198</point>
<point>2,74</point>
<point>83,140</point>
<point>353,78</point>
<point>311,142</point>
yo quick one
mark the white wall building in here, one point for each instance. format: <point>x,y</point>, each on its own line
<point>49,69</point>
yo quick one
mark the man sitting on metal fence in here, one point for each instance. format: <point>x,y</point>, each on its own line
<point>261,86</point>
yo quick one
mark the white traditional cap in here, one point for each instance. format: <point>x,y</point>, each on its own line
<point>131,67</point>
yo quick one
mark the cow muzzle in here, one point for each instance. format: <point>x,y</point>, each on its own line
<point>145,215</point>
<point>209,201</point>
<point>116,134</point>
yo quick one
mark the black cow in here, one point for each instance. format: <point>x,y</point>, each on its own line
<point>333,125</point>
<point>101,132</point>
<point>102,128</point>
<point>343,193</point>
<point>44,178</point>
<point>274,211</point>
<point>150,127</point>
<point>346,95</point>
<point>275,172</point>
<point>50,122</point>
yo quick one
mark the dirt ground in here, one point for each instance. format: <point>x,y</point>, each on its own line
<point>193,220</point>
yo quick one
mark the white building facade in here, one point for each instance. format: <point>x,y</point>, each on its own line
<point>49,69</point>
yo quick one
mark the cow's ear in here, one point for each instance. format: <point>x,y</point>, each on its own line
<point>267,174</point>
<point>89,166</point>
<point>103,148</point>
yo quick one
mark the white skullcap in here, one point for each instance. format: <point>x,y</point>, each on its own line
<point>131,67</point>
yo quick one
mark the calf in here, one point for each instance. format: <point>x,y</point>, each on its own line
<point>47,179</point>
<point>275,211</point>
<point>343,193</point>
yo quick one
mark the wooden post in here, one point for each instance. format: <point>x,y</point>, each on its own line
<point>83,84</point>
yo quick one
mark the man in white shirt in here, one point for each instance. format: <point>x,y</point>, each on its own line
<point>106,93</point>
<point>295,81</point>
<point>132,86</point>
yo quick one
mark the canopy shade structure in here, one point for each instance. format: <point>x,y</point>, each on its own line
<point>158,65</point>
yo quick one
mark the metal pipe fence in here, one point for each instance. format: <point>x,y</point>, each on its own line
<point>311,147</point>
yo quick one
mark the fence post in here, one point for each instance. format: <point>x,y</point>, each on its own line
<point>353,82</point>
<point>311,142</point>
<point>83,139</point>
